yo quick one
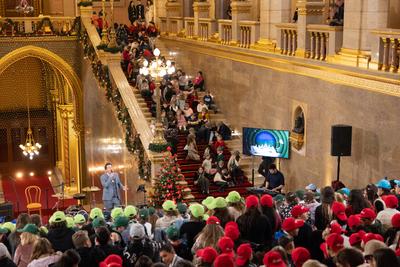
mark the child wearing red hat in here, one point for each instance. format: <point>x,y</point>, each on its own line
<point>391,233</point>
<point>332,246</point>
<point>299,256</point>
<point>339,211</point>
<point>300,212</point>
<point>112,261</point>
<point>224,260</point>
<point>291,226</point>
<point>274,259</point>
<point>353,223</point>
<point>385,216</point>
<point>268,209</point>
<point>206,256</point>
<point>254,226</point>
<point>226,246</point>
<point>355,240</point>
<point>369,222</point>
<point>244,256</point>
<point>302,239</point>
<point>209,236</point>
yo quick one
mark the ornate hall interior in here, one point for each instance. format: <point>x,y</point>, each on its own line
<point>311,86</point>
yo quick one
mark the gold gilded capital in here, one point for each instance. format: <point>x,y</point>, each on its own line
<point>66,111</point>
<point>78,128</point>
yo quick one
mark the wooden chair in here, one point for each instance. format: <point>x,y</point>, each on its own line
<point>32,194</point>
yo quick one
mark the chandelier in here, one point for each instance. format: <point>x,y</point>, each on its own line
<point>24,7</point>
<point>157,68</point>
<point>30,148</point>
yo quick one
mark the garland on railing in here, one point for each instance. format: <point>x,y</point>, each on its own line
<point>158,148</point>
<point>113,50</point>
<point>85,3</point>
<point>132,138</point>
<point>38,27</point>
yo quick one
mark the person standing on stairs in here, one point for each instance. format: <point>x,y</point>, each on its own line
<point>234,168</point>
<point>191,147</point>
<point>202,181</point>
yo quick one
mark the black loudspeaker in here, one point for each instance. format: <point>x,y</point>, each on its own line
<point>341,140</point>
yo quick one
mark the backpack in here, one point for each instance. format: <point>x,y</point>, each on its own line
<point>146,246</point>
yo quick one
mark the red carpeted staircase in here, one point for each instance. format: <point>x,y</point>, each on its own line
<point>190,167</point>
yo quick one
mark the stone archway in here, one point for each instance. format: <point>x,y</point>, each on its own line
<point>74,82</point>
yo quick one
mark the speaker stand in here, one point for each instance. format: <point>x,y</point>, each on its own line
<point>252,170</point>
<point>338,169</point>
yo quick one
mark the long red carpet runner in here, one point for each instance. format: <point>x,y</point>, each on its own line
<point>190,167</point>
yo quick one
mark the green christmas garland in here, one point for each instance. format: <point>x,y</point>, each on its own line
<point>158,148</point>
<point>85,3</point>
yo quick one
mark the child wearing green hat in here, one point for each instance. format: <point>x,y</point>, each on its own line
<point>170,215</point>
<point>180,248</point>
<point>219,206</point>
<point>119,232</point>
<point>207,204</point>
<point>29,235</point>
<point>60,236</point>
<point>189,230</point>
<point>143,219</point>
<point>235,204</point>
<point>79,221</point>
<point>130,212</point>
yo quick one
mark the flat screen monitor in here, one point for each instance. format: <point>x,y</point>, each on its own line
<point>265,142</point>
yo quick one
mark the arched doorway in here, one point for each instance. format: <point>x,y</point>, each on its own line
<point>64,103</point>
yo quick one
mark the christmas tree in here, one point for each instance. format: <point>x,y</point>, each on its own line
<point>169,185</point>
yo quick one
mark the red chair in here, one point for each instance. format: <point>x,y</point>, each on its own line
<point>32,194</point>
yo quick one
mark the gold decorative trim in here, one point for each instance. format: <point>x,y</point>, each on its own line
<point>201,7</point>
<point>310,11</point>
<point>56,62</point>
<point>371,82</point>
<point>7,39</point>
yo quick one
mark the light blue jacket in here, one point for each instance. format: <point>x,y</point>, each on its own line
<point>106,182</point>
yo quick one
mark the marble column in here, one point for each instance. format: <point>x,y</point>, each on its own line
<point>309,12</point>
<point>271,13</point>
<point>241,10</point>
<point>201,10</point>
<point>174,9</point>
<point>360,18</point>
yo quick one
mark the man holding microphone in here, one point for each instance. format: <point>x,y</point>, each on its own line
<point>111,187</point>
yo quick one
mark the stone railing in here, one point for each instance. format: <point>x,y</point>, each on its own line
<point>206,28</point>
<point>249,33</point>
<point>163,25</point>
<point>113,63</point>
<point>39,26</point>
<point>175,25</point>
<point>225,31</point>
<point>287,38</point>
<point>385,50</point>
<point>325,41</point>
<point>189,27</point>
